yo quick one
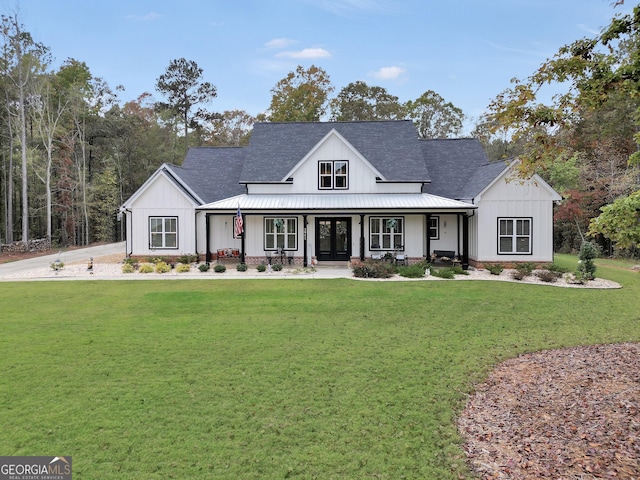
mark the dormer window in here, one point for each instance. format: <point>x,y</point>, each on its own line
<point>333,175</point>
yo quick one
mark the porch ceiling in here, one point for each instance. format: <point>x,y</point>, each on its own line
<point>358,202</point>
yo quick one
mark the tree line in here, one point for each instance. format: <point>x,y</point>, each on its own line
<point>72,152</point>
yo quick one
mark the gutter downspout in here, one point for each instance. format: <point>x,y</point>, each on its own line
<point>128,243</point>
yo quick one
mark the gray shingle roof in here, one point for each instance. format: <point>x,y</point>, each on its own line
<point>212,172</point>
<point>276,148</point>
<point>459,168</point>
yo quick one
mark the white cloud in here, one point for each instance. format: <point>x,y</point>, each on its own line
<point>145,18</point>
<point>280,43</point>
<point>305,53</point>
<point>388,73</point>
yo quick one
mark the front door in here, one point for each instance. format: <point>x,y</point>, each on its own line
<point>333,239</point>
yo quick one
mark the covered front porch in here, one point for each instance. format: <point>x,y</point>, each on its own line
<point>306,230</point>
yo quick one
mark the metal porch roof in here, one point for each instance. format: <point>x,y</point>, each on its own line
<point>359,202</point>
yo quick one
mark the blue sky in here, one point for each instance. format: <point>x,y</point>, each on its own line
<point>465,50</point>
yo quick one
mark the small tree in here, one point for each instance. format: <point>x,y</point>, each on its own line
<point>586,267</point>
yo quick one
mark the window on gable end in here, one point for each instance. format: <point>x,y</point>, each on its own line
<point>333,175</point>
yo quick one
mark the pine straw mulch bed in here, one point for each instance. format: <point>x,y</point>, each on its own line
<point>559,414</point>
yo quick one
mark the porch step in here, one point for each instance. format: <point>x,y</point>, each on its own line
<point>333,264</point>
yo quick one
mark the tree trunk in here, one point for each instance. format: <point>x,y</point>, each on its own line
<point>9,199</point>
<point>25,179</point>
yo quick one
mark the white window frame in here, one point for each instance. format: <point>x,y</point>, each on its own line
<point>383,235</point>
<point>333,175</point>
<point>166,230</point>
<point>280,233</point>
<point>515,236</point>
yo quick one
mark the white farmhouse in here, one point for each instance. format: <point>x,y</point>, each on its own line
<point>342,191</point>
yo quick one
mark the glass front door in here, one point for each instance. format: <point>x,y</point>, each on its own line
<point>333,239</point>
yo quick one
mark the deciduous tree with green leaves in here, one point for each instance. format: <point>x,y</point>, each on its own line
<point>593,117</point>
<point>434,117</point>
<point>302,96</point>
<point>620,222</point>
<point>359,102</point>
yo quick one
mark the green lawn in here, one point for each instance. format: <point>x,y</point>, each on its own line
<point>255,379</point>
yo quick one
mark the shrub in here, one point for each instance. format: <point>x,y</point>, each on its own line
<point>131,261</point>
<point>262,267</point>
<point>412,271</point>
<point>495,269</point>
<point>458,270</point>
<point>548,275</point>
<point>373,269</point>
<point>276,267</point>
<point>162,267</point>
<point>554,267</point>
<point>219,268</point>
<point>586,267</point>
<point>128,268</point>
<point>57,265</point>
<point>146,268</point>
<point>188,258</point>
<point>183,268</point>
<point>203,267</point>
<point>447,273</point>
<point>242,267</point>
<point>518,274</point>
<point>527,268</point>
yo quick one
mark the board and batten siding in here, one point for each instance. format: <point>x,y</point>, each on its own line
<point>161,198</point>
<point>514,198</point>
<point>362,176</point>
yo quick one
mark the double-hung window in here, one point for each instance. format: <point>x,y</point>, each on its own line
<point>281,233</point>
<point>163,232</point>
<point>333,175</point>
<point>386,233</point>
<point>514,236</point>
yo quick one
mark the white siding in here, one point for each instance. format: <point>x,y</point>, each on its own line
<point>161,198</point>
<point>448,239</point>
<point>514,199</point>
<point>221,235</point>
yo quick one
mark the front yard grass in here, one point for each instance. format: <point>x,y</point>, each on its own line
<point>254,379</point>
